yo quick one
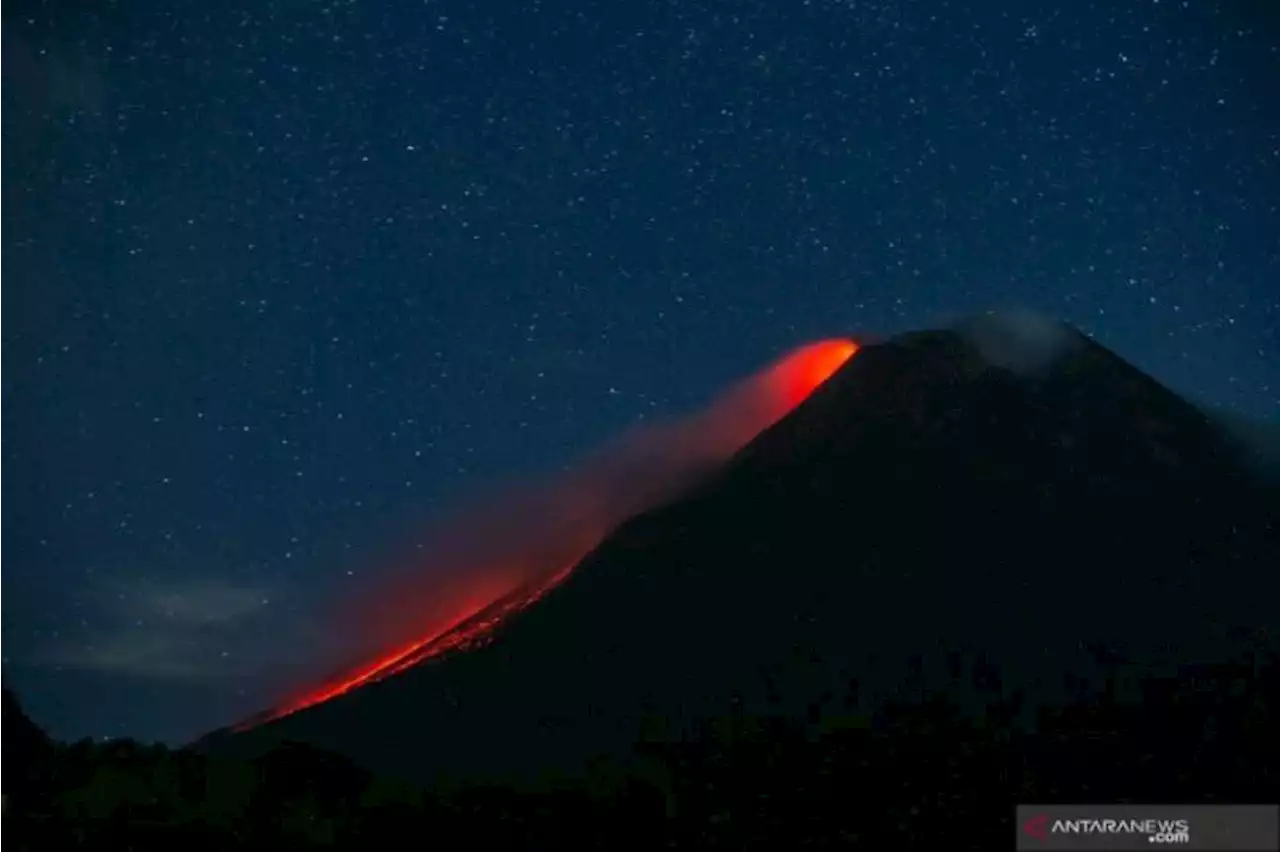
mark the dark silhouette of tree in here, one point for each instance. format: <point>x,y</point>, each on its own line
<point>911,775</point>
<point>23,752</point>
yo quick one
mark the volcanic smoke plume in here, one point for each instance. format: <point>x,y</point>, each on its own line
<point>498,557</point>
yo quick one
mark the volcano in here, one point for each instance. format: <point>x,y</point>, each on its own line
<point>1004,494</point>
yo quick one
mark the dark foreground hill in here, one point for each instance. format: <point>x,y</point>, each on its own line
<point>978,566</point>
<point>1005,496</point>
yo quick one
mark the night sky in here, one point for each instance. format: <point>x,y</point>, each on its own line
<point>285,280</point>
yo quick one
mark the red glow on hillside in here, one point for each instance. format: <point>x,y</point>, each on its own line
<point>810,366</point>
<point>504,555</point>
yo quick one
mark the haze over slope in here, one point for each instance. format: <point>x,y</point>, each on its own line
<point>946,512</point>
<point>501,555</point>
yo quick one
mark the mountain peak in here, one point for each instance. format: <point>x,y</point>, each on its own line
<point>1005,494</point>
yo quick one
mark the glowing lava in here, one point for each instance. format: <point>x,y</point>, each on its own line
<point>638,472</point>
<point>798,375</point>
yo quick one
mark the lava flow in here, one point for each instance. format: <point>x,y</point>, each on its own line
<point>505,555</point>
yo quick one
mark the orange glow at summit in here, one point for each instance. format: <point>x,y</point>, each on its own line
<point>455,600</point>
<point>799,374</point>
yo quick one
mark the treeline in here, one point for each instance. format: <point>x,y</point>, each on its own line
<point>911,776</point>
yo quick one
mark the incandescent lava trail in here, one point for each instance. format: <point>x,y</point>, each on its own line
<point>503,556</point>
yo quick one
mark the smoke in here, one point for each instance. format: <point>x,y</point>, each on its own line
<point>1020,340</point>
<point>500,554</point>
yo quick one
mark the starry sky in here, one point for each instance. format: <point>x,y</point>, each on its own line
<point>285,280</point>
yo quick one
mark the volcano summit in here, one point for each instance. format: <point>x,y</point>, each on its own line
<point>1000,510</point>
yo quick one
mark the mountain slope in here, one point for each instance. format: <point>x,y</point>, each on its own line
<point>948,504</point>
